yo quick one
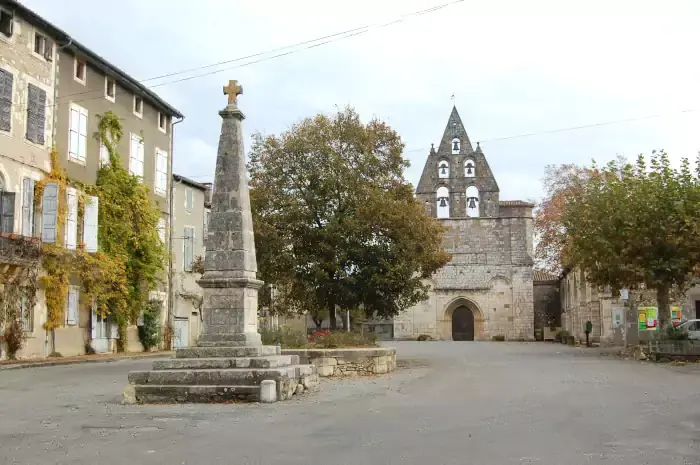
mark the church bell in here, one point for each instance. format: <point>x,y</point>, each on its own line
<point>472,202</point>
<point>455,146</point>
<point>443,170</point>
<point>443,202</point>
<point>469,169</point>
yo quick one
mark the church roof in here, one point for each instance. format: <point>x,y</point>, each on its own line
<point>539,275</point>
<point>454,128</point>
<point>515,203</point>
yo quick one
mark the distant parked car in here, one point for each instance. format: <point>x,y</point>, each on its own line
<point>693,328</point>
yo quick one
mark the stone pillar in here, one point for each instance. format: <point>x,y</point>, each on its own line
<point>229,283</point>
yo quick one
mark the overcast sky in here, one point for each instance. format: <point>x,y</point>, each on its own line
<point>564,65</point>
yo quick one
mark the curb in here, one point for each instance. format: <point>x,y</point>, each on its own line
<point>59,362</point>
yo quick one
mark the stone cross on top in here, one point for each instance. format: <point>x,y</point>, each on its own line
<point>233,90</point>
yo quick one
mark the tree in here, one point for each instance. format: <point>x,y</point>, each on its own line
<point>631,225</point>
<point>559,182</point>
<point>336,224</point>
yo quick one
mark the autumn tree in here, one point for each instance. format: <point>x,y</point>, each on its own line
<point>632,224</point>
<point>336,223</point>
<point>551,237</point>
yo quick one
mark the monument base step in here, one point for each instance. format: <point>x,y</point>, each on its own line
<point>263,361</point>
<point>227,352</point>
<point>228,376</point>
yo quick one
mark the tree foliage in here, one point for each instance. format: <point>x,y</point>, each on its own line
<point>336,224</point>
<point>632,225</point>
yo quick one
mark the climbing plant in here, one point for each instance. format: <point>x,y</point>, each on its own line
<point>131,258</point>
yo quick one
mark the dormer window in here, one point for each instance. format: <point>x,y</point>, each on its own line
<point>455,145</point>
<point>443,169</point>
<point>469,169</point>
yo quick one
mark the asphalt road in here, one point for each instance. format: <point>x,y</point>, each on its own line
<point>449,403</point>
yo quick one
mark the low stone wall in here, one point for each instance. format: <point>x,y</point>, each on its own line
<point>347,362</point>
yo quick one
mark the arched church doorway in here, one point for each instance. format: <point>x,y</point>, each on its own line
<point>462,324</point>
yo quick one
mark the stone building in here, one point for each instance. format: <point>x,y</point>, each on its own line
<point>191,202</point>
<point>487,288</point>
<point>53,90</point>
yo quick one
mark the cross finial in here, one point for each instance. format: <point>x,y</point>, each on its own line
<point>233,90</point>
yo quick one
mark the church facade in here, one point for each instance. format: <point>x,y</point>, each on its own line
<point>487,288</point>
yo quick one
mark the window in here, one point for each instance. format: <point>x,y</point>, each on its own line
<point>161,183</point>
<point>455,145</point>
<point>79,71</point>
<point>43,46</point>
<point>469,169</point>
<point>189,200</point>
<point>90,217</point>
<point>472,202</point>
<point>138,106</point>
<point>161,230</point>
<point>136,156</point>
<point>6,81</point>
<point>27,207</point>
<point>77,141</point>
<point>162,122</point>
<point>7,211</point>
<point>110,88</point>
<point>443,202</point>
<point>443,169</point>
<point>71,233</point>
<point>188,239</point>
<point>36,114</point>
<point>72,305</point>
<point>6,23</point>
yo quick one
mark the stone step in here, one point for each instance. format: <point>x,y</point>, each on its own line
<point>227,352</point>
<point>265,361</point>
<point>214,377</point>
<point>147,394</point>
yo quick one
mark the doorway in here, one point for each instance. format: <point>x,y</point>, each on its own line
<point>463,324</point>
<point>181,333</point>
<point>100,338</point>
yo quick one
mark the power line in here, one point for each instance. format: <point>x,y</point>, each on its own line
<point>327,39</point>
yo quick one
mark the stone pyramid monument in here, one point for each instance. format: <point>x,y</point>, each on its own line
<point>230,362</point>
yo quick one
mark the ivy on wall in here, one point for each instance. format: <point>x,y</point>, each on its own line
<point>131,259</point>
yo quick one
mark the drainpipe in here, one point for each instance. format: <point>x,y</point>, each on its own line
<point>170,232</point>
<point>50,341</point>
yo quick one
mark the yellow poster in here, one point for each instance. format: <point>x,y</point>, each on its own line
<point>675,315</point>
<point>648,318</point>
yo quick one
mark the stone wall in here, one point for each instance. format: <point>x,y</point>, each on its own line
<point>347,362</point>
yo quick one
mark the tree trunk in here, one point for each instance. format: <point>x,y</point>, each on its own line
<point>331,314</point>
<point>663,302</point>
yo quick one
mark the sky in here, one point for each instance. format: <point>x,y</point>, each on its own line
<point>514,67</point>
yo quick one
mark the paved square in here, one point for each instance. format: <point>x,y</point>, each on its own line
<point>451,403</point>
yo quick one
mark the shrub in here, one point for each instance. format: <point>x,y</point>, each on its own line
<point>498,337</point>
<point>673,333</point>
<point>88,349</point>
<point>332,340</point>
<point>55,354</point>
<point>562,337</point>
<point>425,337</point>
<point>152,329</point>
<point>14,338</point>
<point>287,337</point>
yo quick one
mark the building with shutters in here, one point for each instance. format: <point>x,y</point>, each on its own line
<point>53,90</point>
<point>191,204</point>
<point>487,288</point>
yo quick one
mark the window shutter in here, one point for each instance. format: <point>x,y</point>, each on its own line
<point>48,49</point>
<point>82,136</point>
<point>90,224</point>
<point>27,207</point>
<point>7,213</point>
<point>6,80</point>
<point>71,235</point>
<point>36,114</point>
<point>49,212</point>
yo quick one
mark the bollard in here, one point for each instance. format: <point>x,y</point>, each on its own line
<point>268,391</point>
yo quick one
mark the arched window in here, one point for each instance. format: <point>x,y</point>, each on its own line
<point>469,169</point>
<point>456,145</point>
<point>443,169</point>
<point>472,202</point>
<point>443,202</point>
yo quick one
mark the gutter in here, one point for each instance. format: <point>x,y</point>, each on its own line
<point>171,222</point>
